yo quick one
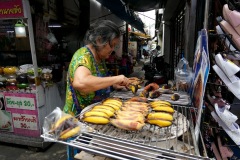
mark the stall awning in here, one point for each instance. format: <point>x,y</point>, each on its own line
<point>119,8</point>
<point>141,35</point>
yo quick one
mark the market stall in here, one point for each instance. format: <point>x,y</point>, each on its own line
<point>26,94</point>
<point>121,138</point>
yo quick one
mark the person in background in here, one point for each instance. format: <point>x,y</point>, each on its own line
<point>88,81</point>
<point>156,52</point>
<point>145,54</point>
<point>124,61</point>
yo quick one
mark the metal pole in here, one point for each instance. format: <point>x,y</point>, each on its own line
<point>206,13</point>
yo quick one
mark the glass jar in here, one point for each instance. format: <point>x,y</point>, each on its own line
<point>22,78</point>
<point>10,70</point>
<point>11,86</point>
<point>1,70</point>
<point>22,85</point>
<point>31,79</point>
<point>46,77</point>
<point>3,78</point>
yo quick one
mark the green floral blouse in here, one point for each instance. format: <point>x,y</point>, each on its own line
<point>82,57</point>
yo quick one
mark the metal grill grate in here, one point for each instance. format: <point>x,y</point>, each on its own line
<point>151,142</point>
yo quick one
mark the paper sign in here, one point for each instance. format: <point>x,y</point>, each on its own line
<point>25,121</point>
<point>19,102</point>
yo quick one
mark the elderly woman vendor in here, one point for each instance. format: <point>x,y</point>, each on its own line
<point>88,81</point>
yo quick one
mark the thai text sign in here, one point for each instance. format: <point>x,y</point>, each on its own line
<point>25,121</point>
<point>11,9</point>
<point>20,102</point>
<point>24,113</point>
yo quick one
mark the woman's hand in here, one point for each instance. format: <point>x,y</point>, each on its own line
<point>122,80</point>
<point>118,87</point>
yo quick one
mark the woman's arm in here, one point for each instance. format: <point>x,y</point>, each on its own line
<point>85,82</point>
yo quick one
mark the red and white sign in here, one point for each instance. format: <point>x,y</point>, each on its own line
<point>11,9</point>
<point>24,113</point>
<point>25,121</point>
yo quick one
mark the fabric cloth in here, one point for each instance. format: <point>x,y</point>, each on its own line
<point>83,57</point>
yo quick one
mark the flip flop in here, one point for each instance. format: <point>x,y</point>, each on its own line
<point>234,135</point>
<point>232,17</point>
<point>225,152</point>
<point>226,116</point>
<point>228,67</point>
<point>219,101</point>
<point>227,42</point>
<point>229,30</point>
<point>234,87</point>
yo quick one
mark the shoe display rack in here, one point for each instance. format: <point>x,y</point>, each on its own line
<point>220,124</point>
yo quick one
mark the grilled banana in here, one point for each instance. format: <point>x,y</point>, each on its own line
<point>104,107</point>
<point>96,120</point>
<point>127,124</point>
<point>113,105</point>
<point>108,112</point>
<point>164,109</point>
<point>70,133</point>
<point>160,102</point>
<point>160,115</point>
<point>160,123</point>
<point>144,93</point>
<point>96,113</point>
<point>137,99</point>
<point>136,118</point>
<point>61,121</point>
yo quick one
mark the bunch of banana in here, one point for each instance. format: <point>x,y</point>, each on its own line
<point>99,114</point>
<point>162,106</point>
<point>161,119</point>
<point>65,127</point>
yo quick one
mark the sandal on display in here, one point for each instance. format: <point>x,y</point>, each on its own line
<point>219,101</point>
<point>230,32</point>
<point>228,44</point>
<point>228,67</point>
<point>232,17</point>
<point>234,87</point>
<point>225,152</point>
<point>226,116</point>
<point>234,135</point>
<point>215,151</point>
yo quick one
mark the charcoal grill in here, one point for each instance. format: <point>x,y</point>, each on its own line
<point>151,142</point>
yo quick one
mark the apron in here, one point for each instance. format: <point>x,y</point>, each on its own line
<point>99,94</point>
<point>102,93</point>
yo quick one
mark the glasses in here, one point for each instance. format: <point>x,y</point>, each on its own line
<point>111,45</point>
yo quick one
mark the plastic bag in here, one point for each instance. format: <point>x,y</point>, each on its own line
<point>183,75</point>
<point>61,126</point>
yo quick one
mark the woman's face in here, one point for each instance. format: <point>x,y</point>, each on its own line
<point>108,48</point>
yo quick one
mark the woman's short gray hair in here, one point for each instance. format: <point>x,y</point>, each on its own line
<point>104,31</point>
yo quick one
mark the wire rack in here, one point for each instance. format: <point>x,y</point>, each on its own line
<point>151,142</point>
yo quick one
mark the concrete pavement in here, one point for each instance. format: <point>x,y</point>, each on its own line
<point>55,151</point>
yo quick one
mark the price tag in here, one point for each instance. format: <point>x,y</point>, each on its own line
<point>24,121</point>
<point>20,102</point>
